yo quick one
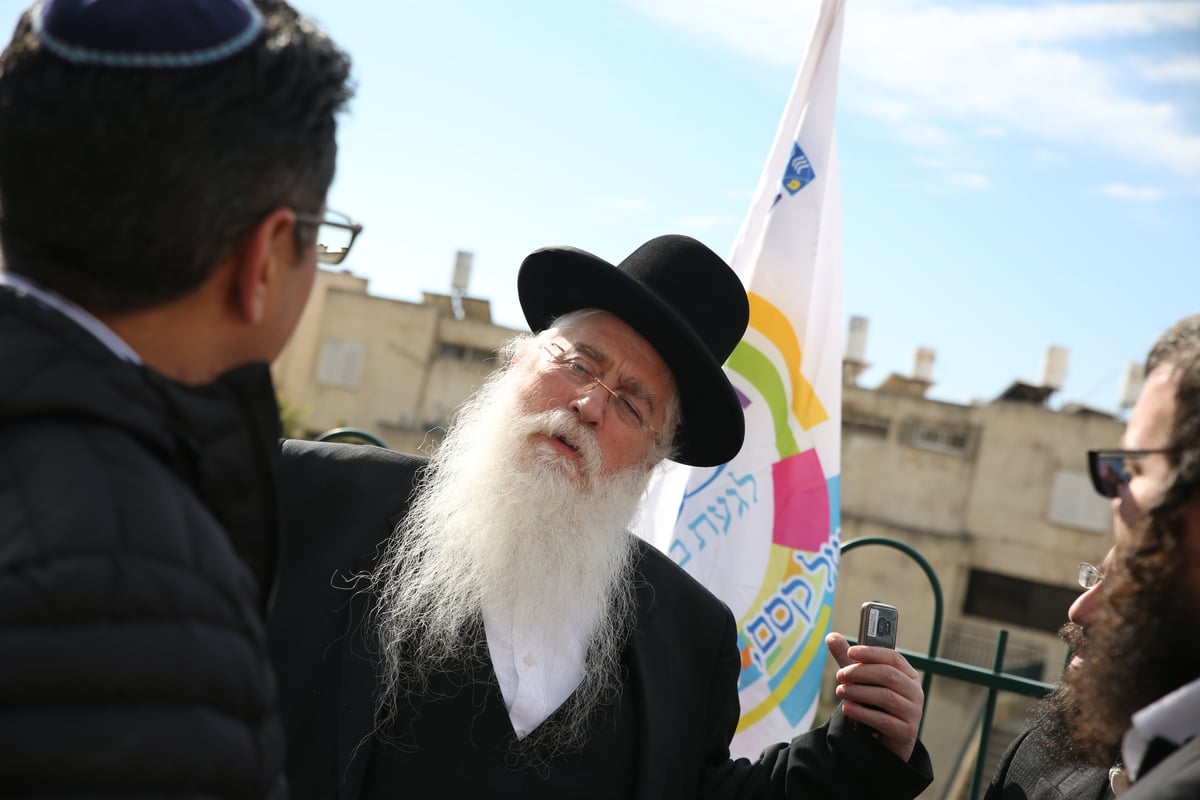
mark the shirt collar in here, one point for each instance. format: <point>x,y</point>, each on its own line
<point>79,316</point>
<point>1174,717</point>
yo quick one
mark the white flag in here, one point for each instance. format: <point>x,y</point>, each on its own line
<point>762,532</point>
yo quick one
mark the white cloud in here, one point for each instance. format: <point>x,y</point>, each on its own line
<point>630,204</point>
<point>703,223</point>
<point>1049,157</point>
<point>1024,69</point>
<point>1045,71</point>
<point>772,31</point>
<point>1179,70</point>
<point>1123,191</point>
<point>930,162</point>
<point>906,122</point>
<point>970,180</point>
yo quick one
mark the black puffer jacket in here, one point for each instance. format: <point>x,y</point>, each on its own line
<point>137,533</point>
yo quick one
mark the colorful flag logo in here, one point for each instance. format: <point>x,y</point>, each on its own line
<point>762,532</point>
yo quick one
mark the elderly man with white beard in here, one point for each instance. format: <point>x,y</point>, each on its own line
<point>484,624</point>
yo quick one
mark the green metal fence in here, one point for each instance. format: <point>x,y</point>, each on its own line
<point>995,680</point>
<point>350,435</point>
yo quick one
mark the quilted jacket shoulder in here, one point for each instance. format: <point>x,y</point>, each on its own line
<point>136,524</point>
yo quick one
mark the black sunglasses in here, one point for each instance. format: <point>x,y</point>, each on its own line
<point>1108,470</point>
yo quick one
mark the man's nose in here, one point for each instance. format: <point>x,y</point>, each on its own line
<point>1083,609</point>
<point>590,403</point>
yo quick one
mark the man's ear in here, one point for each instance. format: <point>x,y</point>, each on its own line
<point>263,251</point>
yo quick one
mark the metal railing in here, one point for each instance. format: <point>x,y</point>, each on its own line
<point>995,680</point>
<point>342,434</point>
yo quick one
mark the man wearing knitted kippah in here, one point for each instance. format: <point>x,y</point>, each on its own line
<point>163,173</point>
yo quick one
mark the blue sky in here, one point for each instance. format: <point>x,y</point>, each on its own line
<point>1014,175</point>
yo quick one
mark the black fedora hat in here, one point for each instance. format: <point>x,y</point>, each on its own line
<point>684,300</point>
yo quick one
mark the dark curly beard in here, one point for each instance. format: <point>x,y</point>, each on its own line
<point>1055,717</point>
<point>1144,647</point>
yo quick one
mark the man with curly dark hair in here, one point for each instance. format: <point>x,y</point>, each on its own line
<point>1140,682</point>
<point>163,172</point>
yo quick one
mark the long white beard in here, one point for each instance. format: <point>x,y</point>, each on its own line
<point>502,520</point>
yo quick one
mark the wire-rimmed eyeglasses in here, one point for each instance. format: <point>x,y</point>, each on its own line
<point>576,370</point>
<point>1089,575</point>
<point>336,232</point>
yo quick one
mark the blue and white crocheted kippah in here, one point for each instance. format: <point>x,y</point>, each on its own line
<point>148,34</point>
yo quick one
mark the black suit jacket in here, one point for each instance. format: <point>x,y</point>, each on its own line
<point>341,502</point>
<point>1027,772</point>
<point>1176,777</point>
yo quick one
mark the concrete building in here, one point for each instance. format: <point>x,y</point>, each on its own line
<point>996,497</point>
<point>393,368</point>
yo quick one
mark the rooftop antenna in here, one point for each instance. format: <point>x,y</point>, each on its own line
<point>1054,367</point>
<point>923,364</point>
<point>854,360</point>
<point>458,283</point>
<point>1132,378</point>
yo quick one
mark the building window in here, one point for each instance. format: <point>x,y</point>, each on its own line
<point>457,352</point>
<point>865,425</point>
<point>341,363</point>
<point>1073,502</point>
<point>956,441</point>
<point>1017,601</point>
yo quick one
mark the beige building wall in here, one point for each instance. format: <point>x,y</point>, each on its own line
<point>1001,488</point>
<point>290,369</point>
<point>392,368</point>
<point>987,500</point>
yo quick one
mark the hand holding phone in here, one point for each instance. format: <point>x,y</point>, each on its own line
<point>877,625</point>
<point>880,675</point>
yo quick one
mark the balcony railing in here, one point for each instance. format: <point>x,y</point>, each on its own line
<point>994,680</point>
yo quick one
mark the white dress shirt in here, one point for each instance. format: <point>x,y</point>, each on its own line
<point>537,670</point>
<point>1174,717</point>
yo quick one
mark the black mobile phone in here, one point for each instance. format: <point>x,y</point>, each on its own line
<point>877,623</point>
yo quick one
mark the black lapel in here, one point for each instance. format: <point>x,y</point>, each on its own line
<point>358,683</point>
<point>657,669</point>
<point>356,690</point>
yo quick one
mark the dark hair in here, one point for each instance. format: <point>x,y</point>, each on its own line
<point>1158,547</point>
<point>1179,350</point>
<point>122,189</point>
<point>1133,650</point>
